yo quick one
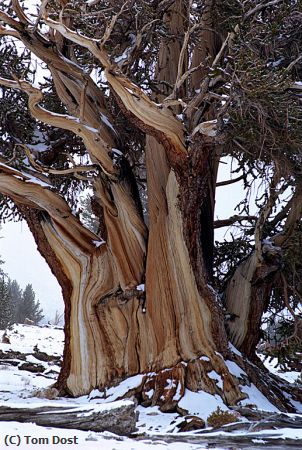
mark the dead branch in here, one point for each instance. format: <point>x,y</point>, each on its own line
<point>281,215</point>
<point>197,100</point>
<point>7,32</point>
<point>149,114</point>
<point>26,191</point>
<point>227,182</point>
<point>42,12</point>
<point>111,25</point>
<point>232,220</point>
<point>6,18</point>
<point>292,64</point>
<point>293,218</point>
<point>91,137</point>
<point>264,214</point>
<point>20,13</point>
<point>260,7</point>
<point>44,169</point>
<point>181,60</point>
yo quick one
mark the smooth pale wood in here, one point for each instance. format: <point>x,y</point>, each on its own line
<point>247,297</point>
<point>238,298</point>
<point>118,419</point>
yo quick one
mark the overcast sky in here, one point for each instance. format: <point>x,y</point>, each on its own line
<point>24,263</point>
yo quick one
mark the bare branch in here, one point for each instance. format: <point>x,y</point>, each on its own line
<point>292,64</point>
<point>20,13</point>
<point>91,136</point>
<point>196,101</point>
<point>260,7</point>
<point>10,21</point>
<point>293,218</point>
<point>264,214</point>
<point>150,116</point>
<point>111,25</point>
<point>232,220</point>
<point>42,12</point>
<point>227,182</point>
<point>44,169</point>
<point>184,50</point>
<point>7,32</point>
<point>24,190</point>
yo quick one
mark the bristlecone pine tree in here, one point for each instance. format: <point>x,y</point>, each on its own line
<point>140,102</point>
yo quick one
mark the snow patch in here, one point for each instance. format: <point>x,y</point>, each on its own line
<point>117,151</point>
<point>255,397</point>
<point>113,393</point>
<point>99,243</point>
<point>217,378</point>
<point>201,403</point>
<point>234,349</point>
<point>140,287</point>
<point>106,122</point>
<point>235,369</point>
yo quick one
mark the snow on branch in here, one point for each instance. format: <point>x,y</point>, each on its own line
<point>265,212</point>
<point>90,135</point>
<point>29,191</point>
<point>76,170</point>
<point>149,116</point>
<point>20,13</point>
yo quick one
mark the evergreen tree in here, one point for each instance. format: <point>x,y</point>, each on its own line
<point>16,300</point>
<point>30,308</point>
<point>87,217</point>
<point>5,304</point>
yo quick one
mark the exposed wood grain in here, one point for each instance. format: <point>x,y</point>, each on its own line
<point>119,418</point>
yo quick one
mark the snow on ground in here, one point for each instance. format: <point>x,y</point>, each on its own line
<point>17,389</point>
<point>272,365</point>
<point>255,397</point>
<point>24,338</point>
<point>201,404</point>
<point>35,437</point>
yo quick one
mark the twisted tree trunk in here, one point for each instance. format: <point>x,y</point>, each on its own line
<point>173,327</point>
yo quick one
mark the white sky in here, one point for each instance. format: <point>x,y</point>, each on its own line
<point>24,263</point>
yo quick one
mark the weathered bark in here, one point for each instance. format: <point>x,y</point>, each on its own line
<point>246,299</point>
<point>179,303</point>
<point>120,418</point>
<point>248,291</point>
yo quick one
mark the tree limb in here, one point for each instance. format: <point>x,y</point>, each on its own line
<point>232,220</point>
<point>293,218</point>
<point>24,191</point>
<point>264,214</point>
<point>44,169</point>
<point>148,114</point>
<point>227,182</point>
<point>90,136</point>
<point>20,13</point>
<point>260,7</point>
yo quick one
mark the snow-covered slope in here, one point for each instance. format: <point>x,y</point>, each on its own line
<point>20,387</point>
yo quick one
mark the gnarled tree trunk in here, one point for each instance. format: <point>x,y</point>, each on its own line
<point>173,328</point>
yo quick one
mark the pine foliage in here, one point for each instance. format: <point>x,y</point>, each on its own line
<point>5,304</point>
<point>29,307</point>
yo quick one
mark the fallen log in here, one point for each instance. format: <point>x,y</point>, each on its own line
<point>117,417</point>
